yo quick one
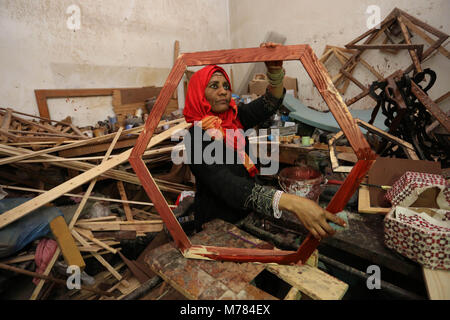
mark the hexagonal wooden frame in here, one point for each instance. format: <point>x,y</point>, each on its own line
<point>322,81</point>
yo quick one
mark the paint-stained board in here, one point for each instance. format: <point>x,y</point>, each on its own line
<point>216,280</point>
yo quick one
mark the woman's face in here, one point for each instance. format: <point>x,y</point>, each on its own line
<point>218,93</point>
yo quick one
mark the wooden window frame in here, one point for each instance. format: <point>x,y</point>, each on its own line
<point>321,80</point>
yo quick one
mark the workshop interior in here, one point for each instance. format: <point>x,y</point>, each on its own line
<point>224,150</point>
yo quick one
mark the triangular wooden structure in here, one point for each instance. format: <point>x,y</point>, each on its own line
<point>406,25</point>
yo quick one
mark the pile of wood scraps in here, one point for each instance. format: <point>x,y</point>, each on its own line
<point>397,29</point>
<point>87,236</point>
<point>17,130</point>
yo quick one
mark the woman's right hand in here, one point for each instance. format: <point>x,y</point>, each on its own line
<point>311,215</point>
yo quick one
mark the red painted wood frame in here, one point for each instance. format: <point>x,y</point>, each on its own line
<point>322,81</point>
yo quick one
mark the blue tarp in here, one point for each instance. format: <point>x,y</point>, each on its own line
<point>23,231</point>
<point>326,120</point>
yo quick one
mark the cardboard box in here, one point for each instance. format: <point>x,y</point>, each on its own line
<point>259,84</point>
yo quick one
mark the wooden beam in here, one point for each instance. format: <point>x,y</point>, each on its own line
<point>123,195</point>
<point>431,106</point>
<point>437,283</point>
<point>141,203</point>
<point>415,56</point>
<point>66,243</point>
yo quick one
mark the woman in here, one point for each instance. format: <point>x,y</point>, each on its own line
<point>229,191</point>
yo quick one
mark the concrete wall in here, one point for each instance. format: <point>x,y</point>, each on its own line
<point>119,44</point>
<point>130,43</point>
<point>323,22</point>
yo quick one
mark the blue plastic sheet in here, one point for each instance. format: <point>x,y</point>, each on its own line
<point>25,230</point>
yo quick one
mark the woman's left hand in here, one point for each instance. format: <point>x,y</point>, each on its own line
<point>272,64</point>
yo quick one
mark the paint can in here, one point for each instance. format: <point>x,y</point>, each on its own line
<point>303,181</point>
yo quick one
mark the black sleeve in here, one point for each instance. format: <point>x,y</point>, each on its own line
<point>236,191</point>
<point>220,179</point>
<point>259,110</point>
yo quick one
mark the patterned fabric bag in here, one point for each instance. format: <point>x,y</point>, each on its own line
<point>421,234</point>
<point>406,190</point>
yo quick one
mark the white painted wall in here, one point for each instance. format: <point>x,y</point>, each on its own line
<point>130,43</point>
<point>119,44</point>
<point>323,22</point>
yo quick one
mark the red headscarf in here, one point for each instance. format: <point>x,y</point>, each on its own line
<point>197,108</point>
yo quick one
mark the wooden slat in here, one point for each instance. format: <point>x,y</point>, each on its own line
<point>431,106</point>
<point>96,241</point>
<point>437,283</point>
<point>311,281</point>
<point>126,206</point>
<point>414,55</point>
<point>411,26</point>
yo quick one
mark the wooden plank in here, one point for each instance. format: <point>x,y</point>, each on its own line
<point>96,241</point>
<point>134,95</point>
<point>7,120</point>
<point>176,53</point>
<point>142,228</point>
<point>259,67</point>
<point>22,210</point>
<point>293,294</point>
<point>111,173</point>
<point>66,243</point>
<point>422,24</point>
<point>81,196</point>
<point>311,281</point>
<point>442,98</point>
<point>92,148</point>
<point>126,206</point>
<point>415,56</point>
<point>337,106</point>
<point>333,157</point>
<point>400,46</point>
<point>364,205</point>
<point>437,283</point>
<point>64,147</point>
<point>150,225</point>
<point>18,259</point>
